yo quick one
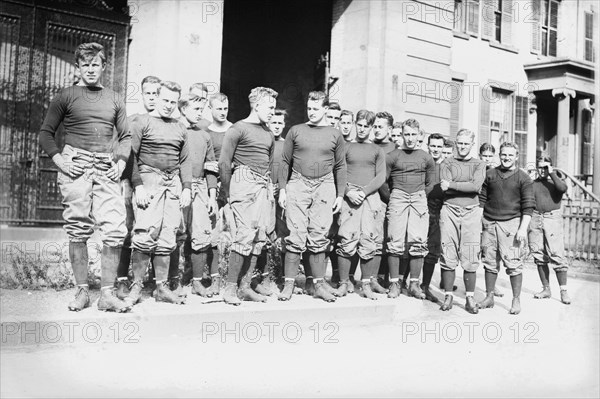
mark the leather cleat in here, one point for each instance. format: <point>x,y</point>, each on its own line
<point>488,302</point>
<point>415,291</point>
<point>330,289</point>
<point>367,292</point>
<point>376,287</point>
<point>82,299</point>
<point>199,289</point>
<point>544,293</point>
<point>564,297</point>
<point>323,293</point>
<point>122,288</point>
<point>108,302</point>
<point>176,287</point>
<point>351,285</point>
<point>263,288</point>
<point>343,288</point>
<point>230,294</point>
<point>287,291</point>
<point>246,293</point>
<point>498,293</point>
<point>516,306</point>
<point>309,286</point>
<point>135,293</point>
<point>428,294</point>
<point>163,293</point>
<point>215,285</point>
<point>448,301</point>
<point>394,291</point>
<point>471,306</point>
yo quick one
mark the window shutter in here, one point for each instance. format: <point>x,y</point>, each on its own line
<point>535,21</point>
<point>484,114</point>
<point>473,17</point>
<point>589,37</point>
<point>507,17</point>
<point>488,19</point>
<point>456,90</point>
<point>553,27</point>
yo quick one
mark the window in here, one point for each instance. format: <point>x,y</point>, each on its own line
<point>456,90</point>
<point>588,54</point>
<point>549,26</point>
<point>466,16</point>
<point>497,20</point>
<point>500,117</point>
<point>521,125</point>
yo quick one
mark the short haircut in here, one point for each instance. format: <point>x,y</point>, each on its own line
<point>335,106</point>
<point>487,147</point>
<point>397,125</point>
<point>544,158</point>
<point>173,86</point>
<point>199,86</point>
<point>319,95</point>
<point>186,99</point>
<point>448,143</point>
<point>367,115</point>
<point>150,79</point>
<point>387,116</point>
<point>509,144</point>
<point>87,51</point>
<point>412,123</point>
<point>279,112</point>
<point>217,97</point>
<point>435,136</point>
<point>260,92</point>
<point>346,112</point>
<point>466,132</point>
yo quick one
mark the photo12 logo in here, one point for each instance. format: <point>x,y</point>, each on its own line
<point>469,331</point>
<point>255,332</point>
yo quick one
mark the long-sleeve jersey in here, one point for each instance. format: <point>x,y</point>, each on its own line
<point>466,178</point>
<point>435,198</point>
<point>201,150</point>
<point>410,170</point>
<point>247,144</point>
<point>315,151</point>
<point>365,164</point>
<point>277,160</point>
<point>88,114</point>
<point>548,193</point>
<point>506,194</point>
<point>384,190</point>
<point>217,140</point>
<point>161,143</point>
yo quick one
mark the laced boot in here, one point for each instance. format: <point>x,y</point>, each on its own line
<point>351,285</point>
<point>376,287</point>
<point>135,293</point>
<point>322,292</point>
<point>516,306</point>
<point>309,286</point>
<point>330,289</point>
<point>82,299</point>
<point>163,293</point>
<point>471,306</point>
<point>564,297</point>
<point>428,294</point>
<point>287,291</point>
<point>215,285</point>
<point>394,291</point>
<point>488,302</point>
<point>176,287</point>
<point>108,302</point>
<point>122,288</point>
<point>246,293</point>
<point>199,289</point>
<point>448,301</point>
<point>498,293</point>
<point>367,291</point>
<point>263,288</point>
<point>544,293</point>
<point>415,291</point>
<point>230,294</point>
<point>343,288</point>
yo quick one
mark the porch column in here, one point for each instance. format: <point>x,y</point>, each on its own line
<point>562,126</point>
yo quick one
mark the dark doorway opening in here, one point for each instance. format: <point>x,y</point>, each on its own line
<point>275,44</point>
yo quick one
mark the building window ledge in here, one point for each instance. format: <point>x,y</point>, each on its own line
<point>502,46</point>
<point>461,35</point>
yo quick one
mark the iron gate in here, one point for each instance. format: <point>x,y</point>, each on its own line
<point>37,43</point>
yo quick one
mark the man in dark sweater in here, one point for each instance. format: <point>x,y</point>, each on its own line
<point>412,173</point>
<point>197,217</point>
<point>461,178</point>
<point>162,178</point>
<point>508,203</point>
<point>150,85</point>
<point>90,171</point>
<point>546,229</point>
<point>315,172</point>
<point>435,143</point>
<point>361,218</point>
<point>244,166</point>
